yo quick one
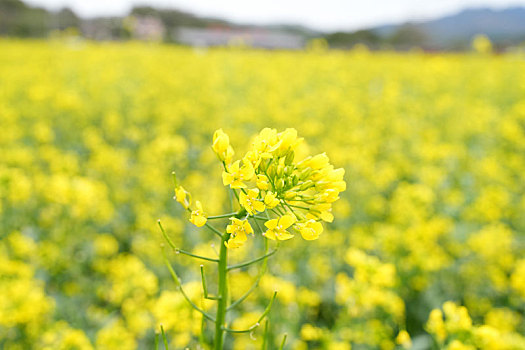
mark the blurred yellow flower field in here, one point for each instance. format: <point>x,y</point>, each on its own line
<point>427,250</point>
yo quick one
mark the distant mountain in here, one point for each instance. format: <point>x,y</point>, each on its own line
<point>505,26</point>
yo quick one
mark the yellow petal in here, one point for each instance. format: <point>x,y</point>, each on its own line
<point>286,221</point>
<point>271,224</point>
<point>318,227</point>
<point>270,234</point>
<point>284,235</point>
<point>198,221</point>
<point>199,205</point>
<point>327,216</point>
<point>227,178</point>
<point>238,184</point>
<point>259,206</point>
<point>247,227</point>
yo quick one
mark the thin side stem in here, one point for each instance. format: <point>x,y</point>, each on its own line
<point>293,211</point>
<point>205,286</point>
<point>221,216</point>
<point>217,232</point>
<point>164,339</point>
<point>166,237</point>
<point>305,208</point>
<point>265,336</point>
<point>178,250</point>
<point>238,266</point>
<point>177,281</point>
<point>231,199</point>
<point>258,323</point>
<point>283,342</point>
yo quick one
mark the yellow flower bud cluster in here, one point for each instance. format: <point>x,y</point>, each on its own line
<point>300,193</point>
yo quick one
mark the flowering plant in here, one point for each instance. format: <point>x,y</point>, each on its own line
<point>275,194</point>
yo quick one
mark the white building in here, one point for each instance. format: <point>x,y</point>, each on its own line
<point>260,38</point>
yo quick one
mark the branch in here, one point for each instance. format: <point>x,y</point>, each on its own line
<point>205,288</point>
<point>245,295</point>
<point>217,232</point>
<point>258,323</point>
<point>178,250</point>
<point>265,336</point>
<point>293,211</point>
<point>164,337</point>
<point>231,198</point>
<point>179,284</point>
<point>237,266</point>
<point>166,237</point>
<point>283,342</point>
<point>301,207</point>
<point>229,215</point>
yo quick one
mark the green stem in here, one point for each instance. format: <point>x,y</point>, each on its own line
<point>221,216</point>
<point>217,232</point>
<point>222,294</point>
<point>248,263</point>
<point>283,342</point>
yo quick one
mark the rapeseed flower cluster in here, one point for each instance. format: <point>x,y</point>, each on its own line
<point>269,178</point>
<point>300,193</point>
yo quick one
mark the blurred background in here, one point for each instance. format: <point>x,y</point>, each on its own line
<point>401,25</point>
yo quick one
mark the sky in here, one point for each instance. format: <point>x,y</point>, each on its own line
<point>326,15</point>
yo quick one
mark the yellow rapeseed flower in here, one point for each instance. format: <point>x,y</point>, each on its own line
<point>238,231</point>
<point>250,202</point>
<point>277,228</point>
<point>197,216</point>
<point>262,182</point>
<point>183,197</point>
<point>270,200</point>
<point>236,175</point>
<point>310,229</point>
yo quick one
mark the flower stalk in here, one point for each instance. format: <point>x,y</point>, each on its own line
<point>272,189</point>
<point>222,293</point>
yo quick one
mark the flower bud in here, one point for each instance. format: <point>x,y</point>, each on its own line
<point>289,157</point>
<point>295,180</point>
<point>280,170</point>
<point>221,145</point>
<point>263,165</point>
<point>221,141</point>
<point>305,173</point>
<point>262,182</point>
<point>306,185</point>
<point>290,195</point>
<point>271,171</point>
<point>279,184</point>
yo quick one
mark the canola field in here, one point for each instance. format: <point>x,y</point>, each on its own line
<point>426,251</point>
